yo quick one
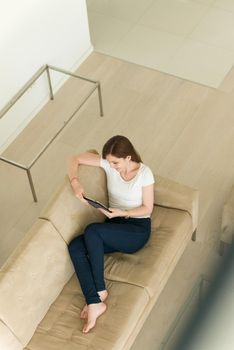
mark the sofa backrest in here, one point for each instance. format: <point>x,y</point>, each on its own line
<point>32,278</point>
<point>67,213</point>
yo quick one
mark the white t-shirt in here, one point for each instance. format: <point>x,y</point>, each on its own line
<point>126,194</point>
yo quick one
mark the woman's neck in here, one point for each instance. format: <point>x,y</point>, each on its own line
<point>133,166</point>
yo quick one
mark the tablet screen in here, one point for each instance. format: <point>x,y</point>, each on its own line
<point>96,204</point>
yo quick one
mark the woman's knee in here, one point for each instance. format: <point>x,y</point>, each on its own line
<point>91,231</point>
<point>76,246</point>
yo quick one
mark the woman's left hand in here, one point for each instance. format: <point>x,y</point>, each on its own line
<point>114,212</point>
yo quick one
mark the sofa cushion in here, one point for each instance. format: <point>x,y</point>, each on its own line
<point>67,213</point>
<point>61,329</point>
<point>150,266</point>
<point>32,279</point>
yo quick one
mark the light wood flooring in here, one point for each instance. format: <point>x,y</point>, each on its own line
<point>183,130</point>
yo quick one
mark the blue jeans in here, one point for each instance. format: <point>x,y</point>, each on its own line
<point>114,235</point>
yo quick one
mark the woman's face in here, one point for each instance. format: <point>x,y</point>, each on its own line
<point>118,164</point>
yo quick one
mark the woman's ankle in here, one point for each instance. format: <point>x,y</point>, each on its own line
<point>103,294</point>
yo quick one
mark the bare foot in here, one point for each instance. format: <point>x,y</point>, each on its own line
<point>84,313</point>
<point>94,311</point>
<point>103,294</point>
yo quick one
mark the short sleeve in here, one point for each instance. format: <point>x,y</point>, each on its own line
<point>148,177</point>
<point>105,165</point>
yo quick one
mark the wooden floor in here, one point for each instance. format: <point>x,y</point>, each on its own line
<point>183,130</point>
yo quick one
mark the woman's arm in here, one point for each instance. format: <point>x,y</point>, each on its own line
<point>73,163</point>
<point>147,203</point>
<point>145,209</point>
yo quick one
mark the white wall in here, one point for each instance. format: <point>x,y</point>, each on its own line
<point>34,33</point>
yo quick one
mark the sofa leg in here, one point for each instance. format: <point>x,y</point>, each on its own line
<point>225,247</point>
<point>194,236</point>
<point>221,248</point>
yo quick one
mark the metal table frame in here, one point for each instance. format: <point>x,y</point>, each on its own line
<point>46,68</point>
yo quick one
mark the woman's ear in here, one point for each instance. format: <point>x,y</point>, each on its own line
<point>129,158</point>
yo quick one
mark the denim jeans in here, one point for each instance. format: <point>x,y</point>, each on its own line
<point>113,235</point>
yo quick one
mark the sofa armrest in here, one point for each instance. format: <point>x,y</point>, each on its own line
<point>7,339</point>
<point>171,194</point>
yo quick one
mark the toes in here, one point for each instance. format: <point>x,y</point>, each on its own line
<point>83,315</point>
<point>88,326</point>
<point>84,312</point>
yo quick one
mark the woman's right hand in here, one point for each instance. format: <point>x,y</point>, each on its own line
<point>79,191</point>
<point>87,158</point>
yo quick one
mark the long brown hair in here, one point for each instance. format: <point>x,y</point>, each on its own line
<point>120,147</point>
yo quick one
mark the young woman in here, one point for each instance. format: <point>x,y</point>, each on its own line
<point>126,229</point>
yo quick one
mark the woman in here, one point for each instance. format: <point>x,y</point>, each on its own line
<point>126,229</point>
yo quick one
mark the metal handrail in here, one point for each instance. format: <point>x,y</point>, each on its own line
<point>22,91</point>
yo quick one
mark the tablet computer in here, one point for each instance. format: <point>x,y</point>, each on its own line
<point>96,204</point>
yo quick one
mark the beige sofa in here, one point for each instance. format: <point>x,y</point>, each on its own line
<point>40,296</point>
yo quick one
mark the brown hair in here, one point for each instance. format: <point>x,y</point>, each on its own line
<point>120,147</point>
